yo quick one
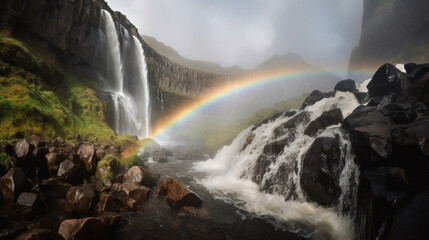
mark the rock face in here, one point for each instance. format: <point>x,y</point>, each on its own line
<point>331,117</point>
<point>176,194</point>
<point>380,42</point>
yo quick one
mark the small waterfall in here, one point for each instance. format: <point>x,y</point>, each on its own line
<point>270,184</point>
<point>122,69</point>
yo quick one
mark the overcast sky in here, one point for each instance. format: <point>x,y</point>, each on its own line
<point>247,32</point>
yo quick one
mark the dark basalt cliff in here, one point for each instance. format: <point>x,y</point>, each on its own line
<point>392,31</point>
<point>67,31</point>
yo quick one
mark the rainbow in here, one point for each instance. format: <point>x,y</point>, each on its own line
<point>234,87</point>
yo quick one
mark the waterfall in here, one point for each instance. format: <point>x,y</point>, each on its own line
<point>270,184</point>
<point>121,67</point>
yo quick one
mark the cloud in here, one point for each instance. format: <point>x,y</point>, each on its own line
<point>247,32</point>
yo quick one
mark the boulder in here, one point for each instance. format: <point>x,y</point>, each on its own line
<point>320,171</point>
<point>36,141</point>
<point>54,187</point>
<point>6,148</point>
<point>87,156</point>
<point>100,153</point>
<point>417,70</point>
<point>388,79</point>
<point>200,212</point>
<point>424,146</point>
<point>68,170</point>
<point>39,157</point>
<point>58,141</point>
<point>138,175</point>
<point>131,195</point>
<point>328,118</point>
<point>79,199</point>
<point>177,195</point>
<point>23,148</point>
<point>107,203</point>
<point>348,85</point>
<point>27,203</point>
<point>109,219</point>
<point>39,234</point>
<point>292,124</point>
<point>86,228</point>
<point>53,160</point>
<point>11,184</point>
<point>316,96</point>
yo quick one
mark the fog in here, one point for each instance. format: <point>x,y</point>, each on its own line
<point>247,32</point>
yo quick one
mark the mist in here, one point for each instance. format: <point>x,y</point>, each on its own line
<point>246,33</point>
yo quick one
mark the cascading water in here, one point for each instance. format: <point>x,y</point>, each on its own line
<point>270,185</point>
<point>122,69</point>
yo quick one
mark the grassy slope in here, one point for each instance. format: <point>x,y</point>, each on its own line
<point>36,98</point>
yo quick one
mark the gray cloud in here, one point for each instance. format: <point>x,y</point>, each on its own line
<point>247,32</point>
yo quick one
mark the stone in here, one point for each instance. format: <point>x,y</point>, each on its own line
<point>348,85</point>
<point>11,184</point>
<point>7,148</point>
<point>100,153</point>
<point>328,118</point>
<point>301,118</point>
<point>87,156</point>
<point>109,219</point>
<point>86,228</point>
<point>319,172</point>
<point>424,146</point>
<point>314,97</point>
<point>27,203</point>
<point>54,187</point>
<point>200,212</point>
<point>53,160</point>
<point>79,199</point>
<point>58,141</point>
<point>131,195</point>
<point>107,203</point>
<point>177,195</point>
<point>39,234</point>
<point>68,170</point>
<point>388,79</point>
<point>23,148</point>
<point>138,175</point>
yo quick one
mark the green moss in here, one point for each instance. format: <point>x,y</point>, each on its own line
<point>108,167</point>
<point>36,98</point>
<point>133,160</point>
<point>4,163</point>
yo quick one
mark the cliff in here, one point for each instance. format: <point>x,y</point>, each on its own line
<point>67,32</point>
<point>392,31</point>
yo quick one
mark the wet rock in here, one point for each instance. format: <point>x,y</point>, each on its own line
<point>417,70</point>
<point>328,118</point>
<point>107,203</point>
<point>87,156</point>
<point>11,184</point>
<point>54,187</point>
<point>79,199</point>
<point>424,146</point>
<point>58,141</point>
<point>388,79</point>
<point>362,97</point>
<point>39,157</point>
<point>109,219</point>
<point>301,118</point>
<point>177,195</point>
<point>138,175</point>
<point>348,85</point>
<point>27,203</point>
<point>86,228</point>
<point>68,170</point>
<point>53,160</point>
<point>23,148</point>
<point>316,96</point>
<point>39,234</point>
<point>200,212</point>
<point>131,195</point>
<point>320,171</point>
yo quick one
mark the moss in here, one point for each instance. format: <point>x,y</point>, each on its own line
<point>4,163</point>
<point>108,166</point>
<point>133,160</point>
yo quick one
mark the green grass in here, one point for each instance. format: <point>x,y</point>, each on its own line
<point>37,98</point>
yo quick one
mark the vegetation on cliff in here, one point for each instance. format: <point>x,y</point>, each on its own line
<point>37,98</point>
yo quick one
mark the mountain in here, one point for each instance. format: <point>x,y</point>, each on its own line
<point>282,61</point>
<point>203,66</point>
<point>392,31</point>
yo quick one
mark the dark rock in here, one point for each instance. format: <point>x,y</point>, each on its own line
<point>301,118</point>
<point>86,228</point>
<point>11,184</point>
<point>23,148</point>
<point>27,203</point>
<point>68,148</point>
<point>362,97</point>
<point>388,79</point>
<point>249,140</point>
<point>53,160</point>
<point>87,156</point>
<point>131,195</point>
<point>348,85</point>
<point>58,141</point>
<point>316,96</point>
<point>321,170</point>
<point>177,195</point>
<point>100,153</point>
<point>424,146</point>
<point>107,203</point>
<point>68,170</point>
<point>270,119</point>
<point>200,212</point>
<point>409,67</point>
<point>328,118</point>
<point>109,219</point>
<point>6,148</point>
<point>36,141</point>
<point>39,234</point>
<point>417,71</point>
<point>54,187</point>
<point>39,157</point>
<point>383,101</point>
<point>79,199</point>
